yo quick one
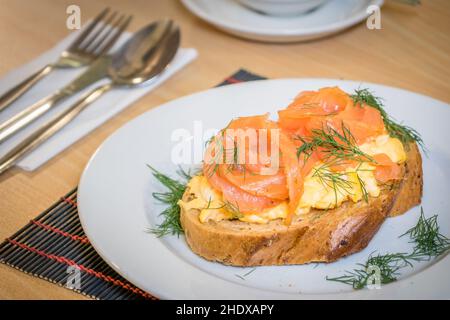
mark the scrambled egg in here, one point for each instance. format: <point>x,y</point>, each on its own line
<point>354,184</point>
<point>392,147</point>
<point>319,191</point>
<point>212,206</point>
<point>206,199</point>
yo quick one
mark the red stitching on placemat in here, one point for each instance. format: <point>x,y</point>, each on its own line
<point>70,262</point>
<point>69,201</point>
<point>59,231</point>
<point>232,80</point>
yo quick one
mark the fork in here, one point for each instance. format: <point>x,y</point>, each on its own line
<point>96,71</point>
<point>93,42</point>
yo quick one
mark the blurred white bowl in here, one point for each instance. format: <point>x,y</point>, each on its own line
<point>282,7</point>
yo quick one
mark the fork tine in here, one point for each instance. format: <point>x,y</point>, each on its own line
<point>101,36</point>
<point>119,28</point>
<point>106,32</point>
<point>88,29</point>
<point>85,45</point>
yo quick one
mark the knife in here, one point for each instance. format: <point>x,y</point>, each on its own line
<point>97,71</point>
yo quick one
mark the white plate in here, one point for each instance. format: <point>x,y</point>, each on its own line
<point>230,16</point>
<point>116,206</point>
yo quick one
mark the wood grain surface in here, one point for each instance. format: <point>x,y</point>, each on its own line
<point>411,51</point>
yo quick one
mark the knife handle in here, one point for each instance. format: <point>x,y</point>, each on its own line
<point>28,115</point>
<point>46,131</point>
<point>14,93</point>
<point>97,71</point>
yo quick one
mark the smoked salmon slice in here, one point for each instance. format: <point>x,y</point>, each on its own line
<point>327,100</point>
<point>331,107</point>
<point>242,181</point>
<point>243,201</point>
<point>386,169</point>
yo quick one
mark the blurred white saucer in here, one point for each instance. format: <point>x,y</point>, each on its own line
<point>282,7</point>
<point>232,17</point>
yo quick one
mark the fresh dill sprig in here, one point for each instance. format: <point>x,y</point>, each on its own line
<point>427,238</point>
<point>230,207</point>
<point>337,181</point>
<point>234,210</point>
<point>429,243</point>
<point>362,184</point>
<point>230,156</point>
<point>402,132</point>
<point>211,168</point>
<point>333,144</point>
<point>171,224</point>
<point>337,148</point>
<point>222,155</point>
<point>246,274</point>
<point>388,264</point>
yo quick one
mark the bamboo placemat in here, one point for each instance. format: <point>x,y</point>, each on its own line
<point>54,247</point>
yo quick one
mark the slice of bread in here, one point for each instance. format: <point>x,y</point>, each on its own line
<point>319,236</point>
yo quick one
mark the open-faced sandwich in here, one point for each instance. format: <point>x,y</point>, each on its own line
<point>313,186</point>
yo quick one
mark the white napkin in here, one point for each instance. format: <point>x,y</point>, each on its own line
<point>98,112</point>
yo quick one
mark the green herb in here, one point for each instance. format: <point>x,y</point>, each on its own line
<point>306,148</point>
<point>228,156</point>
<point>334,180</point>
<point>428,242</point>
<point>402,132</point>
<point>362,184</point>
<point>388,264</point>
<point>233,153</point>
<point>246,274</point>
<point>333,144</point>
<point>337,148</point>
<point>222,154</point>
<point>426,237</point>
<point>171,224</point>
<point>233,209</point>
<point>211,168</point>
<point>230,207</point>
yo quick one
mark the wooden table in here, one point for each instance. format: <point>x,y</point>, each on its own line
<point>411,51</point>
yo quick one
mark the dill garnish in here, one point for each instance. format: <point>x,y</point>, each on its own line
<point>245,275</point>
<point>402,132</point>
<point>337,149</point>
<point>228,206</point>
<point>362,184</point>
<point>222,155</point>
<point>426,237</point>
<point>231,208</point>
<point>211,168</point>
<point>171,224</point>
<point>429,243</point>
<point>388,264</point>
<point>334,180</point>
<point>333,144</point>
<point>230,156</point>
<point>234,210</point>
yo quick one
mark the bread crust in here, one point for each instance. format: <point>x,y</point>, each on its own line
<point>319,236</point>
